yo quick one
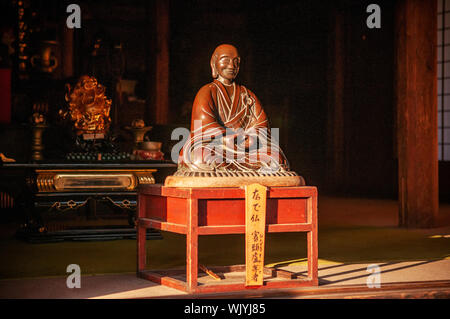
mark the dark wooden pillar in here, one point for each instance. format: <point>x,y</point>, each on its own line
<point>162,61</point>
<point>67,52</point>
<point>416,102</point>
<point>336,73</point>
<point>158,64</point>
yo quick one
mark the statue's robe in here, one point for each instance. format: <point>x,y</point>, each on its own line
<point>215,115</point>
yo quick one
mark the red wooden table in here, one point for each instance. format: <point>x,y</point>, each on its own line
<point>213,211</point>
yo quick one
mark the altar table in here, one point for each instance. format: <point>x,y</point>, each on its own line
<point>217,211</point>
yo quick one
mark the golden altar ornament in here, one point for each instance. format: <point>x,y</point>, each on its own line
<point>89,106</point>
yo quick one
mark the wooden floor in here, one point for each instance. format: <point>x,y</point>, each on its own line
<point>414,279</point>
<point>410,290</point>
<point>399,279</point>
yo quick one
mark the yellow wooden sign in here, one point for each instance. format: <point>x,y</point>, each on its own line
<point>255,223</point>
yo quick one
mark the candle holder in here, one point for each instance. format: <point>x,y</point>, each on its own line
<point>138,134</point>
<point>36,144</point>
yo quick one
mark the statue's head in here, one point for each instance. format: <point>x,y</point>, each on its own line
<point>225,63</point>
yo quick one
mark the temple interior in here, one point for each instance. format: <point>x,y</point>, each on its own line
<point>358,96</point>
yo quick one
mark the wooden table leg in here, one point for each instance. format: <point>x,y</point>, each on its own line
<point>141,235</point>
<point>312,239</point>
<point>192,246</point>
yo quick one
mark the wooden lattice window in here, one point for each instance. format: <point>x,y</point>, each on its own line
<point>444,79</point>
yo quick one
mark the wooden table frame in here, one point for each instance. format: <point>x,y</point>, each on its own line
<point>197,211</point>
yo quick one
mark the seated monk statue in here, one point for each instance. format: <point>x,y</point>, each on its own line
<point>230,142</point>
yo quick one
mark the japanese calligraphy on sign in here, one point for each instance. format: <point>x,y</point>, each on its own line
<point>255,223</point>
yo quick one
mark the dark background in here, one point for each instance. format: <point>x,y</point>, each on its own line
<point>288,55</point>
